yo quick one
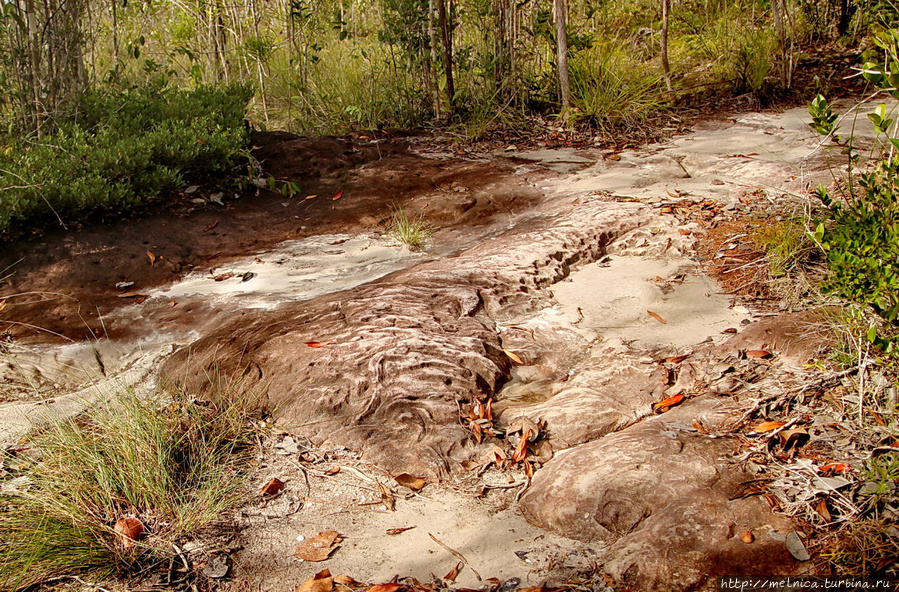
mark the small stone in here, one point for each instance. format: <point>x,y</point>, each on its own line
<point>191,189</point>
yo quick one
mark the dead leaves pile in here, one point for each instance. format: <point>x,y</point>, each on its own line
<point>323,581</point>
<point>518,442</point>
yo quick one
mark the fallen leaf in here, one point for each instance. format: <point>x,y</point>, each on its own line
<point>663,406</point>
<point>384,588</point>
<point>310,197</point>
<point>211,226</point>
<point>348,581</point>
<point>836,468</point>
<point>271,488</point>
<point>469,465</point>
<point>172,304</point>
<point>320,582</point>
<point>152,258</point>
<point>131,295</point>
<point>767,426</point>
<point>685,231</point>
<point>615,157</point>
<point>337,196</point>
<point>747,537</point>
<point>410,481</point>
<point>222,277</point>
<point>823,511</point>
<point>677,359</point>
<point>674,193</point>
<point>454,573</point>
<point>129,530</point>
<point>514,357</point>
<point>318,343</point>
<point>488,410</point>
<point>795,547</point>
<point>657,317</point>
<point>386,497</point>
<point>758,353</point>
<point>318,547</point>
<point>521,451</point>
<point>793,438</point>
<point>395,531</point>
<point>476,431</point>
<point>730,331</point>
<point>2,304</point>
<point>697,424</point>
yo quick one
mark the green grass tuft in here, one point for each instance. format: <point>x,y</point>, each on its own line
<point>413,232</point>
<point>171,462</point>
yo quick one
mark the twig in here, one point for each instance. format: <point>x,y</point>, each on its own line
<point>457,555</point>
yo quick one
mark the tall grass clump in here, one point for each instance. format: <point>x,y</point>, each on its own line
<point>117,148</point>
<point>612,89</point>
<point>412,232</point>
<point>172,463</point>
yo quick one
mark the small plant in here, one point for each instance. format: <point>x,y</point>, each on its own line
<point>881,480</point>
<point>413,232</point>
<point>786,244</point>
<point>168,465</point>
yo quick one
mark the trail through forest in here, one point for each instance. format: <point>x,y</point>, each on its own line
<point>565,287</point>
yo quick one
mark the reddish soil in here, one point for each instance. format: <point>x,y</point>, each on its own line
<point>63,283</point>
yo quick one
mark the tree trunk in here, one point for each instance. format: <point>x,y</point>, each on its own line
<point>666,67</point>
<point>432,59</point>
<point>560,13</point>
<point>447,52</point>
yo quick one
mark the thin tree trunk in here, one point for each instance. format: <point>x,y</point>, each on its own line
<point>115,36</point>
<point>447,53</point>
<point>432,62</point>
<point>560,10</point>
<point>666,67</point>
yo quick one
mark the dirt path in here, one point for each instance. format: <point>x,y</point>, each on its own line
<point>562,286</point>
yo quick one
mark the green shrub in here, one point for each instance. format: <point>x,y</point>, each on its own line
<point>118,148</point>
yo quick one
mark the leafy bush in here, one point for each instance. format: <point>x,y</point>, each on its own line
<point>118,148</point>
<point>861,238</point>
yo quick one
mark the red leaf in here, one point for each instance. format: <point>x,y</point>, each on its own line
<point>318,343</point>
<point>271,488</point>
<point>669,402</point>
<point>337,196</point>
<point>521,451</point>
<point>211,226</point>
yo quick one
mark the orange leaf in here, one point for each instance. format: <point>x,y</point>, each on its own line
<point>521,451</point>
<point>271,488</point>
<point>677,359</point>
<point>657,317</point>
<point>476,430</point>
<point>222,277</point>
<point>758,353</point>
<point>152,258</point>
<point>488,410</point>
<point>337,196</point>
<point>685,231</point>
<point>767,426</point>
<point>836,468</point>
<point>384,588</point>
<point>129,530</point>
<point>410,481</point>
<point>669,402</point>
<point>211,226</point>
<point>320,582</point>
<point>319,547</point>
<point>348,581</point>
<point>454,573</point>
<point>514,357</point>
<point>395,531</point>
<point>172,303</point>
<point>332,471</point>
<point>2,304</point>
<point>318,343</point>
<point>310,197</point>
<point>130,295</point>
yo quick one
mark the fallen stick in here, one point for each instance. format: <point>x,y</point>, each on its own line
<point>457,555</point>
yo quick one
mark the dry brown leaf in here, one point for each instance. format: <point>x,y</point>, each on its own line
<point>128,531</point>
<point>271,488</point>
<point>514,357</point>
<point>2,304</point>
<point>767,426</point>
<point>332,471</point>
<point>222,277</point>
<point>469,465</point>
<point>310,196</point>
<point>320,582</point>
<point>152,258</point>
<point>318,547</point>
<point>699,427</point>
<point>657,317</point>
<point>386,497</point>
<point>663,406</point>
<point>521,451</point>
<point>685,231</point>
<point>476,431</point>
<point>677,359</point>
<point>454,573</point>
<point>384,588</point>
<point>211,226</point>
<point>614,157</point>
<point>172,304</point>
<point>793,438</point>
<point>674,193</point>
<point>488,410</point>
<point>318,343</point>
<point>410,481</point>
<point>348,581</point>
<point>747,537</point>
<point>542,450</point>
<point>823,511</point>
<point>337,196</point>
<point>395,531</point>
<point>131,295</point>
<point>758,353</point>
<point>140,299</point>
